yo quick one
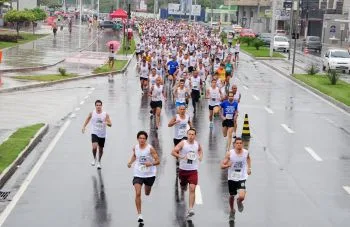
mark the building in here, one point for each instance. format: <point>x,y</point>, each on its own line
<point>24,4</point>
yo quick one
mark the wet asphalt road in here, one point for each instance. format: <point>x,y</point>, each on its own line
<point>288,187</point>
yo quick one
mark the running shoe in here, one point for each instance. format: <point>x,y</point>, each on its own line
<point>232,216</point>
<point>140,218</point>
<point>240,205</point>
<point>99,165</point>
<point>93,163</point>
<point>190,213</point>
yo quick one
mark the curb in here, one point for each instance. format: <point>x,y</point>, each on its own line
<point>47,84</point>
<point>261,58</point>
<point>11,169</point>
<point>37,68</point>
<point>317,92</point>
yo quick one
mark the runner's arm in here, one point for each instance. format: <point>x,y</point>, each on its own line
<point>133,158</point>
<point>249,162</point>
<point>226,162</point>
<point>200,152</point>
<point>155,157</point>
<point>176,150</point>
<point>172,122</point>
<point>86,122</point>
<point>108,121</point>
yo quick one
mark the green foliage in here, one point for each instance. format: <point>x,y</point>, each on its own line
<point>223,36</point>
<point>257,43</point>
<point>19,16</point>
<point>312,69</point>
<point>62,71</point>
<point>333,76</point>
<point>246,40</point>
<point>39,14</point>
<point>171,18</point>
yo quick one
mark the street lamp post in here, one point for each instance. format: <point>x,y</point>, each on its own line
<point>273,24</point>
<point>296,31</point>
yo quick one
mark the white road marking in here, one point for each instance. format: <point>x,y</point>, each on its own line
<point>82,102</point>
<point>77,109</point>
<point>198,194</point>
<point>92,88</point>
<point>256,97</point>
<point>86,97</point>
<point>268,110</point>
<point>329,120</point>
<point>245,87</point>
<point>31,175</point>
<point>90,92</point>
<point>308,91</point>
<point>289,130</point>
<point>313,154</point>
<point>73,115</point>
<point>347,189</point>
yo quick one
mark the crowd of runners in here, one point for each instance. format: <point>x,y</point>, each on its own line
<point>186,64</point>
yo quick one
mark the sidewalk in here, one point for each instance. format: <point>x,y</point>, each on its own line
<point>47,50</point>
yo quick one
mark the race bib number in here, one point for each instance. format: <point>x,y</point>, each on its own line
<point>229,116</point>
<point>182,130</point>
<point>236,175</point>
<point>195,86</point>
<point>144,169</point>
<point>213,99</point>
<point>191,156</point>
<point>99,125</point>
<point>142,160</point>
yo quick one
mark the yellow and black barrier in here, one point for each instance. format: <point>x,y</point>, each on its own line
<point>246,130</point>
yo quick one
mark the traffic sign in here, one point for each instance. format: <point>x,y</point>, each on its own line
<point>342,27</point>
<point>325,24</point>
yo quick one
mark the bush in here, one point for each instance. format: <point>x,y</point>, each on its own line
<point>333,76</point>
<point>171,18</point>
<point>9,38</point>
<point>312,69</point>
<point>257,43</point>
<point>62,71</point>
<point>247,40</point>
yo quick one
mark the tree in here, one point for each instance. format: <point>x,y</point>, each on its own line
<point>39,15</point>
<point>19,17</point>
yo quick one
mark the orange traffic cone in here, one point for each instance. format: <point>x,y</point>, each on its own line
<point>246,130</point>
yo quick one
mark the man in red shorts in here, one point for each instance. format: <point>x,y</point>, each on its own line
<point>190,153</point>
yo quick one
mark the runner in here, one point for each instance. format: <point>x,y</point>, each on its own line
<point>182,123</point>
<point>237,49</point>
<point>147,159</point>
<point>143,70</point>
<point>196,83</point>
<point>190,153</point>
<point>229,117</point>
<point>238,163</point>
<point>99,120</point>
<point>214,95</point>
<point>157,93</point>
<point>173,66</point>
<point>181,94</point>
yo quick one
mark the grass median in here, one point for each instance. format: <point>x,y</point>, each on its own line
<point>46,78</point>
<point>340,91</point>
<point>118,65</point>
<point>11,148</point>
<point>27,37</point>
<point>132,49</point>
<point>262,52</point>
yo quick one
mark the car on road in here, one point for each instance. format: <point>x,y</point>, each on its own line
<point>280,43</point>
<point>336,59</point>
<point>228,29</point>
<point>237,28</point>
<point>313,43</point>
<point>281,32</point>
<point>247,32</point>
<point>106,24</point>
<point>266,38</point>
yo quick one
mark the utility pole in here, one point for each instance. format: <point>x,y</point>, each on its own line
<point>291,27</point>
<point>296,34</point>
<point>273,24</point>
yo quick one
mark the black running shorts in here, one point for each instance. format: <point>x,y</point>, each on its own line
<point>99,140</point>
<point>149,181</point>
<point>233,186</point>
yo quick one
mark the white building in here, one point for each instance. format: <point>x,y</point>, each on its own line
<point>24,4</point>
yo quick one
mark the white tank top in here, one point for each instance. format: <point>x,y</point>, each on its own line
<point>206,62</point>
<point>214,96</point>
<point>191,152</point>
<point>186,62</point>
<point>143,156</point>
<point>181,127</point>
<point>152,79</point>
<point>144,71</point>
<point>238,169</point>
<point>98,125</point>
<point>157,93</point>
<point>196,83</point>
<point>202,73</point>
<point>181,95</point>
<point>180,73</point>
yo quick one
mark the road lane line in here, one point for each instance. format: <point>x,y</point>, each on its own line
<point>77,109</point>
<point>73,115</point>
<point>313,154</point>
<point>82,102</point>
<point>307,90</point>
<point>86,97</point>
<point>268,110</point>
<point>289,130</point>
<point>32,173</point>
<point>256,97</point>
<point>347,189</point>
<point>90,92</point>
<point>198,194</point>
<point>92,88</point>
<point>245,87</point>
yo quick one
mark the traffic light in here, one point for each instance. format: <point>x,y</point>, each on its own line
<point>295,35</point>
